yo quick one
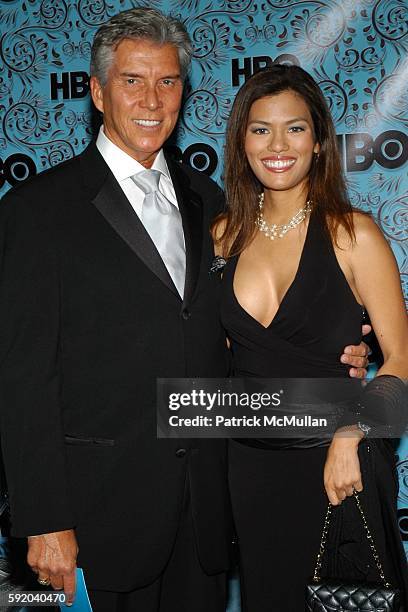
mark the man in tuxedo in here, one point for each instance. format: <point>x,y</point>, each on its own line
<point>105,287</point>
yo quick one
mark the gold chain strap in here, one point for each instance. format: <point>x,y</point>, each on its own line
<point>322,547</point>
<point>316,575</point>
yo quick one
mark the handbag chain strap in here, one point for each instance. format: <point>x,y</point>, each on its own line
<point>323,541</point>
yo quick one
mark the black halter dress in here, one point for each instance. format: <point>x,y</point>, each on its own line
<point>277,492</point>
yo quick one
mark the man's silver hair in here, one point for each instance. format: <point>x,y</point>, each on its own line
<point>138,24</point>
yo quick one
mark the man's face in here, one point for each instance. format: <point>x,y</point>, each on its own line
<point>141,99</point>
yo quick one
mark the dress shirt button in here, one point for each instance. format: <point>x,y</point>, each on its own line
<point>180,452</point>
<point>186,314</point>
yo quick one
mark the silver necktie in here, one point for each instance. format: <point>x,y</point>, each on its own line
<point>162,220</point>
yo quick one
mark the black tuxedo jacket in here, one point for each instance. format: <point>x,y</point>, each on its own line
<point>89,319</point>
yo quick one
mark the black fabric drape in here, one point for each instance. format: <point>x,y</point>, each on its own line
<point>348,552</point>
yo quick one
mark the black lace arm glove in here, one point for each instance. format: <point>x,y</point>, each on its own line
<point>382,410</point>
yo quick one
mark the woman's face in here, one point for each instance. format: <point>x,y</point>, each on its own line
<point>280,141</point>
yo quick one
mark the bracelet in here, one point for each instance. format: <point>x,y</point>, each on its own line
<point>364,428</point>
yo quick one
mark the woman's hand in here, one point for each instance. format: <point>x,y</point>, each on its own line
<point>342,469</point>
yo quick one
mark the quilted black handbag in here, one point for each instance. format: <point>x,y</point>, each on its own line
<point>331,595</point>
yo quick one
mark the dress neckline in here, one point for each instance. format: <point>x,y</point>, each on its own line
<point>288,290</point>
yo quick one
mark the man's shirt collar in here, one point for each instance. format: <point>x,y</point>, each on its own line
<point>122,164</point>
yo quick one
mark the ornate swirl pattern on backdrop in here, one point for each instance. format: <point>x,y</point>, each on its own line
<point>390,20</point>
<point>219,30</point>
<point>93,12</point>
<point>402,471</point>
<point>356,49</point>
<point>391,95</point>
<point>206,109</point>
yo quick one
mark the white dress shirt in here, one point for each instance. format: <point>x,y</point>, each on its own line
<point>123,166</point>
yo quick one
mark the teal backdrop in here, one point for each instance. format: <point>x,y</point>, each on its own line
<point>355,49</point>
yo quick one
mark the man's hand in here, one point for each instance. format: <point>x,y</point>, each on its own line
<point>53,557</point>
<point>356,356</point>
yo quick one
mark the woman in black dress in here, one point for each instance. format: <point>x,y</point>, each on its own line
<point>302,267</point>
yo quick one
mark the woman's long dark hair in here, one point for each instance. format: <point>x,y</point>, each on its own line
<point>326,189</point>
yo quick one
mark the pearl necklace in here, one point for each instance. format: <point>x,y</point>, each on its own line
<point>278,231</point>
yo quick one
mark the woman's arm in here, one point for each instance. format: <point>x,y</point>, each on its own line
<point>373,275</point>
<point>378,286</point>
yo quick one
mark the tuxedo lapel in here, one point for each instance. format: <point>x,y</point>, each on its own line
<point>190,206</point>
<point>112,203</point>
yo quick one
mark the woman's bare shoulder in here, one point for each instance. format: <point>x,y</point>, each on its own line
<point>366,233</point>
